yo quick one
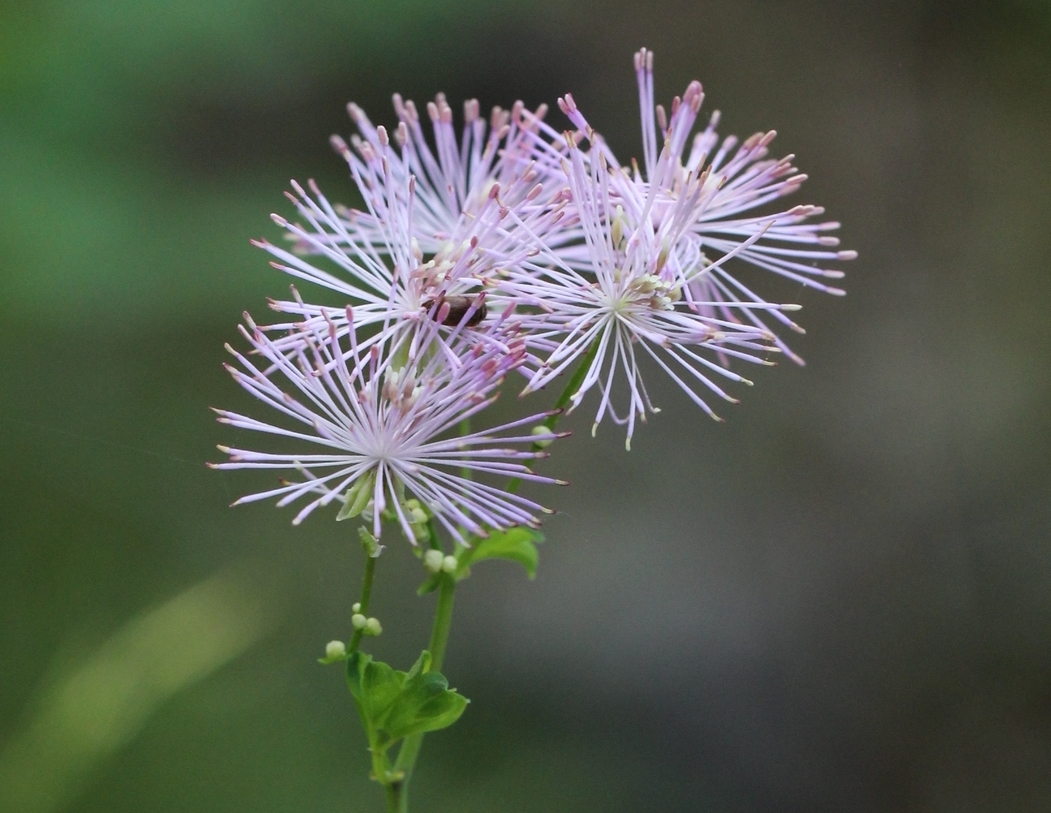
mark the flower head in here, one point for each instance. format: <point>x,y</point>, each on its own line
<point>455,180</point>
<point>623,293</point>
<point>730,218</point>
<point>395,292</point>
<point>436,226</point>
<point>383,426</point>
<point>657,266</point>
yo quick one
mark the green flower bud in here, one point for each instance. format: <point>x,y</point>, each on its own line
<point>335,649</point>
<point>416,512</point>
<point>541,430</point>
<point>358,621</point>
<point>372,547</point>
<point>372,627</point>
<point>432,560</point>
<point>356,607</point>
<point>449,564</point>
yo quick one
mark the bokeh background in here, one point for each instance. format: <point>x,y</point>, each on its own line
<point>838,600</point>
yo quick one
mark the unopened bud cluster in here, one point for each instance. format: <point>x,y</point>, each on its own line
<point>367,626</point>
<point>437,562</point>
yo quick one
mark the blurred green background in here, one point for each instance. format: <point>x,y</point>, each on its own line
<point>838,600</point>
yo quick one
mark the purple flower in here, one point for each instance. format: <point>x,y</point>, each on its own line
<point>436,227</point>
<point>454,181</point>
<point>730,217</point>
<point>622,294</point>
<point>657,266</point>
<point>394,293</point>
<point>383,425</point>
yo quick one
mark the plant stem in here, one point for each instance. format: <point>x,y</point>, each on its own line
<point>443,617</point>
<point>398,791</point>
<point>366,591</point>
<point>410,748</point>
<point>551,421</point>
<point>392,797</point>
<point>574,384</point>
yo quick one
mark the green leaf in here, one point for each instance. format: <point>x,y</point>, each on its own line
<point>396,704</point>
<point>373,684</point>
<point>426,703</point>
<point>516,544</point>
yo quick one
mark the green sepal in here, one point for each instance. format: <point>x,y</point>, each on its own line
<point>516,544</point>
<point>430,585</point>
<point>370,544</point>
<point>357,497</point>
<point>396,704</point>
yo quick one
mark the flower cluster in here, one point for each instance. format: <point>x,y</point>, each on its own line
<point>514,248</point>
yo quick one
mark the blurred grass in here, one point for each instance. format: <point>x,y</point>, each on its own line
<point>101,699</point>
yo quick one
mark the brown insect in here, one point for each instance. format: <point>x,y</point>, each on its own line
<point>458,307</point>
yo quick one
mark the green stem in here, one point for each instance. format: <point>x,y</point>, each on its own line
<point>397,791</point>
<point>443,618</point>
<point>551,421</point>
<point>393,797</point>
<point>432,529</point>
<point>380,765</point>
<point>410,748</point>
<point>366,592</point>
<point>573,385</point>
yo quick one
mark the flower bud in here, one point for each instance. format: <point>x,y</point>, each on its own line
<point>541,430</point>
<point>372,627</point>
<point>449,564</point>
<point>418,519</point>
<point>417,516</point>
<point>358,621</point>
<point>335,649</point>
<point>356,607</point>
<point>662,256</point>
<point>432,560</point>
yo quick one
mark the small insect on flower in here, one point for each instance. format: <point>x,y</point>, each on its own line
<point>452,310</point>
<point>443,217</point>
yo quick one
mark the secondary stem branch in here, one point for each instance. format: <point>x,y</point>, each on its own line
<point>366,592</point>
<point>398,791</point>
<point>410,748</point>
<point>551,421</point>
